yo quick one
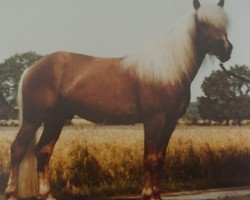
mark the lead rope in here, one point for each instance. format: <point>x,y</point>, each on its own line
<point>233,74</point>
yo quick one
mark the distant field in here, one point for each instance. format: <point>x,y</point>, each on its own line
<point>107,160</point>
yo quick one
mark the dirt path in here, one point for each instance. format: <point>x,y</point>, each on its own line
<point>242,193</point>
<point>225,194</point>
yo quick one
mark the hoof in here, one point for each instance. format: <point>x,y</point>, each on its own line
<point>46,197</point>
<point>152,198</point>
<point>151,194</point>
<point>11,198</point>
<point>10,194</point>
<point>50,197</point>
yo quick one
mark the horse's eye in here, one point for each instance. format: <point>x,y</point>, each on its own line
<point>202,24</point>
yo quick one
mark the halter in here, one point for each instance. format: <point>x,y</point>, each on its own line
<point>242,78</point>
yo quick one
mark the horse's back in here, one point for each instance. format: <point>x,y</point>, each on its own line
<point>100,90</point>
<point>95,88</point>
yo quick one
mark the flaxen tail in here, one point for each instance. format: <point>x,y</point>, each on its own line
<point>27,178</point>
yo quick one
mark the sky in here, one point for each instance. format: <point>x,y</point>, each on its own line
<point>109,28</point>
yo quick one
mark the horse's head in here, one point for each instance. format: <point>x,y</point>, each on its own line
<point>212,30</point>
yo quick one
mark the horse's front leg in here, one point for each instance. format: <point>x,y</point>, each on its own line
<point>157,130</point>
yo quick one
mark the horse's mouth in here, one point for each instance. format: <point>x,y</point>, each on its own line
<point>224,58</point>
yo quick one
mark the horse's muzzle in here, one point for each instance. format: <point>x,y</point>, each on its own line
<point>226,55</point>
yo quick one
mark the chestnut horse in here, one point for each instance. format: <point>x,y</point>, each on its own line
<point>151,86</point>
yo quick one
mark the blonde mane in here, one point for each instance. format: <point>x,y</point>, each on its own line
<point>213,15</point>
<point>172,56</point>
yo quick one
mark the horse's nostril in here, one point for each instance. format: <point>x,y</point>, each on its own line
<point>230,47</point>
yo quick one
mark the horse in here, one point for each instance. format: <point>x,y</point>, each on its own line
<point>149,86</point>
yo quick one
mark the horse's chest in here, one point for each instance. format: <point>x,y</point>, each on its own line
<point>172,101</point>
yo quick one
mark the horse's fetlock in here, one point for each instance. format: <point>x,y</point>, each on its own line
<point>11,193</point>
<point>154,162</point>
<point>44,186</point>
<point>147,191</point>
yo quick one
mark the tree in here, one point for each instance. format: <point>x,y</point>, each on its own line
<point>225,97</point>
<point>241,100</point>
<point>192,113</point>
<point>10,72</point>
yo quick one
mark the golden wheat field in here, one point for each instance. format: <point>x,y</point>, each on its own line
<point>90,159</point>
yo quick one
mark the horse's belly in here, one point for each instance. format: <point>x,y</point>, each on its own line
<point>114,119</point>
<point>110,106</point>
<point>108,114</point>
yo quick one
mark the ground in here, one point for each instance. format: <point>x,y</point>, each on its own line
<point>240,193</point>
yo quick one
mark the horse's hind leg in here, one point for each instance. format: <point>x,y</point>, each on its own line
<point>18,150</point>
<point>52,129</point>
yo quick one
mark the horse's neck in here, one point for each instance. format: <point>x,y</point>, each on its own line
<point>199,56</point>
<point>187,59</point>
<point>173,58</point>
<point>192,54</point>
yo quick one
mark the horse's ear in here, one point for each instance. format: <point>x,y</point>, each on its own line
<point>221,3</point>
<point>196,4</point>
